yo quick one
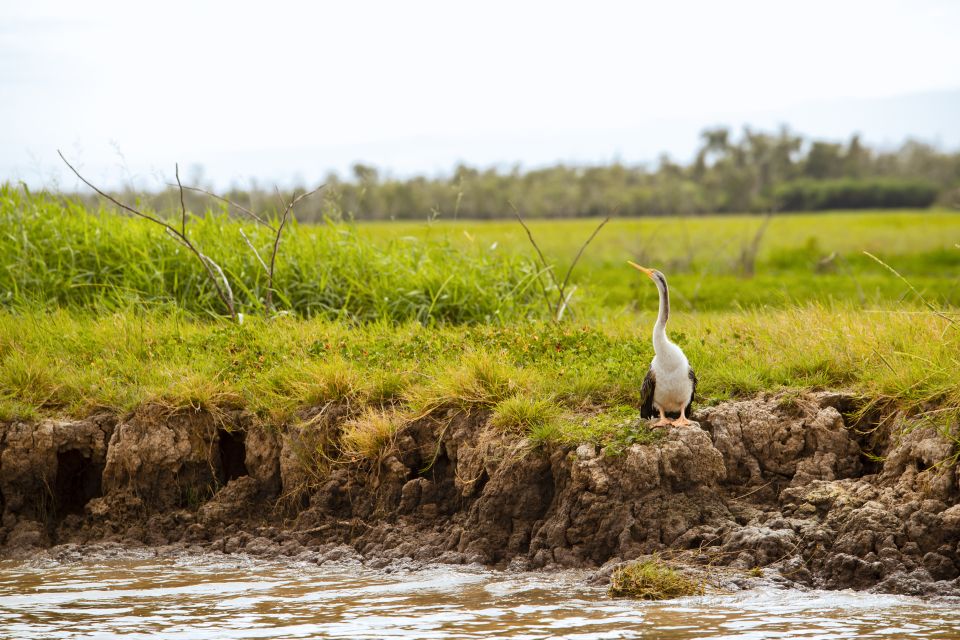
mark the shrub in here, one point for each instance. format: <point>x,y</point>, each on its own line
<point>810,195</point>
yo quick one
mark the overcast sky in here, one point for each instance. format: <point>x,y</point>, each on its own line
<point>285,92</point>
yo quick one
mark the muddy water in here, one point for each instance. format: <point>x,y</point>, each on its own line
<point>191,598</point>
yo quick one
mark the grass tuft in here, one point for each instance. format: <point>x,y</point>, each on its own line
<point>480,380</point>
<point>335,380</point>
<point>652,580</point>
<point>525,415</point>
<point>370,435</point>
<point>29,380</point>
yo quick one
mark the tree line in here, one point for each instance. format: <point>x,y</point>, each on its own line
<point>752,171</point>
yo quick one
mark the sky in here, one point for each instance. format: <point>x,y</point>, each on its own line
<point>285,92</point>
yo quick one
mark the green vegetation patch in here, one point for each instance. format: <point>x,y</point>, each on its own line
<point>524,414</point>
<point>555,383</point>
<point>652,580</point>
<point>58,254</point>
<point>99,310</point>
<point>615,428</point>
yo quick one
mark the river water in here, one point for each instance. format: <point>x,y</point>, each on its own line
<point>192,598</point>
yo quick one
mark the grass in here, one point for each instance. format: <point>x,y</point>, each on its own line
<point>397,321</point>
<point>369,435</point>
<point>652,580</point>
<point>701,256</point>
<point>58,254</point>
<point>562,383</point>
<point>527,415</point>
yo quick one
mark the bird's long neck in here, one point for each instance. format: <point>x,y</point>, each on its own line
<point>660,339</point>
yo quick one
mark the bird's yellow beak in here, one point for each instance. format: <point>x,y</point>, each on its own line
<point>649,272</point>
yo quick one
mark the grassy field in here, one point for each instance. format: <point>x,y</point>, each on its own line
<point>58,254</point>
<point>703,256</point>
<point>399,320</point>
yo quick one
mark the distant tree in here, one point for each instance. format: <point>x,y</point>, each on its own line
<point>824,161</point>
<point>857,158</point>
<point>753,171</point>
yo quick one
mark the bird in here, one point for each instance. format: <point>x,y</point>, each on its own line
<point>670,383</point>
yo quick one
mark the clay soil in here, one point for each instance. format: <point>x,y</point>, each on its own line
<point>773,485</point>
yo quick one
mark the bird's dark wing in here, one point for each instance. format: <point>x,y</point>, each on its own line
<point>693,392</point>
<point>646,394</point>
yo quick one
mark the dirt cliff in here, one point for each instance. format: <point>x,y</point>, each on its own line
<point>778,482</point>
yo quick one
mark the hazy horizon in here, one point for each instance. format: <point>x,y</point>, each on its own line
<point>291,95</point>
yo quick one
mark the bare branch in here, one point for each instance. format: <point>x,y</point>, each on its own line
<point>183,207</point>
<point>300,197</point>
<point>283,203</point>
<point>563,299</point>
<point>226,296</point>
<point>287,214</point>
<point>255,252</point>
<point>566,278</point>
<point>223,276</point>
<point>233,204</point>
<point>114,200</point>
<point>566,301</point>
<point>543,260</point>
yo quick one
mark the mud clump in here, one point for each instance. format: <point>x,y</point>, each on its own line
<point>775,485</point>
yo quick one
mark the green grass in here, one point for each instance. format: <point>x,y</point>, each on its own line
<point>527,415</point>
<point>57,254</point>
<point>552,381</point>
<point>702,256</point>
<point>401,320</point>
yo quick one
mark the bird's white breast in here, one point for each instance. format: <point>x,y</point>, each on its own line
<point>673,385</point>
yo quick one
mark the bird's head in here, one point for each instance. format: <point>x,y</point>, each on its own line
<point>653,274</point>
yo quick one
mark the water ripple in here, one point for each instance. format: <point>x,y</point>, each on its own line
<point>237,597</point>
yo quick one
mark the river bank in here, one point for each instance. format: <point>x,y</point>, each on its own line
<point>777,485</point>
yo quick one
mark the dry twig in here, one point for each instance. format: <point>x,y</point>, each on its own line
<point>221,285</point>
<point>563,298</point>
<point>562,304</point>
<point>277,230</point>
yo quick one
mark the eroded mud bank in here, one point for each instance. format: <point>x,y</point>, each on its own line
<point>776,482</point>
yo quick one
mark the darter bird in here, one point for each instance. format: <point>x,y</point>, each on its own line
<point>670,383</point>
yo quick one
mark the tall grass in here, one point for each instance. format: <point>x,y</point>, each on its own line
<point>58,254</point>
